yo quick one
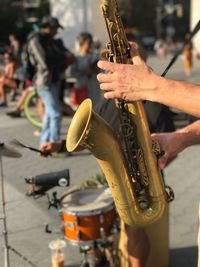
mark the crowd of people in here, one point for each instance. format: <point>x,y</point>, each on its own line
<point>45,64</point>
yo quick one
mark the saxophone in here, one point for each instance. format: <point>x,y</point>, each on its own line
<point>129,162</point>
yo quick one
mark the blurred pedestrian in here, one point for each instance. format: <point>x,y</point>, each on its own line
<point>160,48</point>
<point>7,78</point>
<point>14,47</point>
<point>187,58</point>
<point>48,59</point>
<point>84,71</point>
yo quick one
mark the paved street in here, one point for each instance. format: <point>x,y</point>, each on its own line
<point>27,217</point>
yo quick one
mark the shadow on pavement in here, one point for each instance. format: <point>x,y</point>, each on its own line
<point>184,257</point>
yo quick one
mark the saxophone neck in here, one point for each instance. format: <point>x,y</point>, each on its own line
<point>118,47</point>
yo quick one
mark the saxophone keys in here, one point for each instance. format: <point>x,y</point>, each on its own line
<point>169,193</point>
<point>105,54</point>
<point>157,149</point>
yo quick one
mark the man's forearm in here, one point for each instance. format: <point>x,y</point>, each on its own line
<point>191,134</point>
<point>181,95</point>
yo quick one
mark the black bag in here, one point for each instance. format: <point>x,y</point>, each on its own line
<point>159,117</point>
<point>30,68</point>
<point>28,60</point>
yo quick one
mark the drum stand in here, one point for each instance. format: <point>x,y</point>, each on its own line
<point>89,257</point>
<point>5,232</point>
<point>4,219</point>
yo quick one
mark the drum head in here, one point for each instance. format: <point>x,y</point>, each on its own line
<point>90,200</point>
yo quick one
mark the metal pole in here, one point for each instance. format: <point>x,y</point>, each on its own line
<point>5,232</point>
<point>7,248</point>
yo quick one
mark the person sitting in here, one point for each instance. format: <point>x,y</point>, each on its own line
<point>7,78</point>
<point>18,109</point>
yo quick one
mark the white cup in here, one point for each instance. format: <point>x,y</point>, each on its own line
<point>57,252</point>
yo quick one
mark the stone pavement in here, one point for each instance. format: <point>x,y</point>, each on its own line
<point>27,217</point>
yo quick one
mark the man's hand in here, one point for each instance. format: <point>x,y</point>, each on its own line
<point>125,81</point>
<point>172,144</point>
<point>50,147</point>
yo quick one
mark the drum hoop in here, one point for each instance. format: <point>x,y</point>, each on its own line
<point>97,211</point>
<point>94,212</point>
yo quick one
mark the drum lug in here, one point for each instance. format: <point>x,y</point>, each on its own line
<point>78,220</point>
<point>78,235</point>
<point>101,219</point>
<point>103,234</point>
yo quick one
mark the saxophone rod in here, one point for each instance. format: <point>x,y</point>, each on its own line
<point>187,41</point>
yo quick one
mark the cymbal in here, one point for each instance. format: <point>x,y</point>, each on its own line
<point>6,151</point>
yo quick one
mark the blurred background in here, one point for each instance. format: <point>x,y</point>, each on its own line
<point>161,27</point>
<point>144,20</point>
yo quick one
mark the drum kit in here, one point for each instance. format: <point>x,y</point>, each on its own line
<point>89,221</point>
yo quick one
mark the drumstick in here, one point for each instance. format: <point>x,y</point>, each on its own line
<point>19,144</point>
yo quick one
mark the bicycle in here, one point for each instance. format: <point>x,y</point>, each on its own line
<point>32,107</point>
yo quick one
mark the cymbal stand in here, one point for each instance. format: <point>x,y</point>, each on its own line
<point>5,230</point>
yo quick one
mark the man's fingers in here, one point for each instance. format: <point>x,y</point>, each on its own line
<point>135,53</point>
<point>137,60</point>
<point>107,86</point>
<point>134,50</point>
<point>111,95</point>
<point>162,162</point>
<point>105,78</point>
<point>107,66</point>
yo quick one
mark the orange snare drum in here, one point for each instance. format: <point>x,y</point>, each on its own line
<point>88,215</point>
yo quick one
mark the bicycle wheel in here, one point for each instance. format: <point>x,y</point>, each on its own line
<point>31,109</point>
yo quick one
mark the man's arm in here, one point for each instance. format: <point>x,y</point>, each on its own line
<point>175,142</point>
<point>38,53</point>
<point>139,82</point>
<point>177,94</point>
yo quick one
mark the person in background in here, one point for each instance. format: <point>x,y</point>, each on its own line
<point>19,107</point>
<point>65,108</point>
<point>49,60</point>
<point>7,78</point>
<point>14,47</point>
<point>160,48</point>
<point>187,58</point>
<point>84,71</point>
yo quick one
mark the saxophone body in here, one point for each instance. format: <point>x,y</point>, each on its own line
<point>129,162</point>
